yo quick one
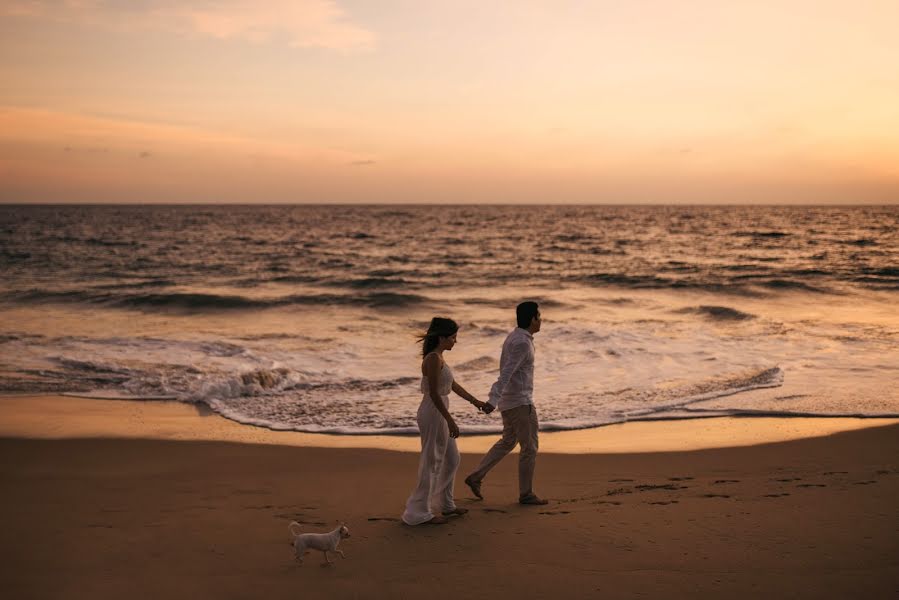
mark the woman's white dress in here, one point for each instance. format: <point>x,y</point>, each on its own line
<point>439,457</point>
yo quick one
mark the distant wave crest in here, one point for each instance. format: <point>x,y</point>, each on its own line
<point>197,301</point>
<point>719,313</point>
<point>482,363</point>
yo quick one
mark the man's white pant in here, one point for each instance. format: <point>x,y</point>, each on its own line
<point>519,427</point>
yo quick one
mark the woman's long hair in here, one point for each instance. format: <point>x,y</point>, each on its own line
<point>439,327</point>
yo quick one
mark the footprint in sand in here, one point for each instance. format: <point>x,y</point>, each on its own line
<point>869,482</point>
<point>617,491</point>
<point>680,479</point>
<point>837,473</point>
<point>298,517</point>
<point>620,480</point>
<point>776,495</point>
<point>810,485</point>
<point>664,502</point>
<point>300,520</point>
<point>726,481</point>
<point>555,512</point>
<point>496,510</point>
<point>665,486</point>
<point>383,519</point>
<point>788,479</point>
<point>715,496</point>
<point>571,500</point>
<point>607,502</point>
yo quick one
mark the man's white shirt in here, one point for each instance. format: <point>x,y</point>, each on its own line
<point>515,386</point>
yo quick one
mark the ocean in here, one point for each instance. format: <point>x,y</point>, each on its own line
<point>306,317</point>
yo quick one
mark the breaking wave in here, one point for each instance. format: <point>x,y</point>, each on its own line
<point>718,313</point>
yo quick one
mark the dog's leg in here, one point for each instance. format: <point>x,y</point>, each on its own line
<point>328,560</point>
<point>340,552</point>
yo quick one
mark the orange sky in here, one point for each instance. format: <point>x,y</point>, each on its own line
<point>425,101</point>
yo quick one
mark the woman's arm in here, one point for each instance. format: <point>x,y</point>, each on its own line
<point>461,391</point>
<point>432,372</point>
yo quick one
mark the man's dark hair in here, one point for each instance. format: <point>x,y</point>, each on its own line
<point>525,313</point>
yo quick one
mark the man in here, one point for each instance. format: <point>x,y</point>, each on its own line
<point>513,394</point>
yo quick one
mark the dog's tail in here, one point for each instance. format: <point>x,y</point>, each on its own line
<point>290,529</point>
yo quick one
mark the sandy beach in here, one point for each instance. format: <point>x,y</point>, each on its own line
<point>119,516</point>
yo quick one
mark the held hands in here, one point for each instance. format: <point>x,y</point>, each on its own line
<point>482,406</point>
<point>485,408</point>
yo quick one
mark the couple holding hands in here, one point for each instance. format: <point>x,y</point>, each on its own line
<point>432,500</point>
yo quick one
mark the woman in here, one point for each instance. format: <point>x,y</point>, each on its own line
<point>439,454</point>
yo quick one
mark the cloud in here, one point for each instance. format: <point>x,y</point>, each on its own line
<point>86,149</point>
<point>298,23</point>
<point>89,137</point>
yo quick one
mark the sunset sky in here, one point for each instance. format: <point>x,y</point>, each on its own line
<point>456,101</point>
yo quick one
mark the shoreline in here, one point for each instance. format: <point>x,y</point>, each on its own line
<point>73,417</point>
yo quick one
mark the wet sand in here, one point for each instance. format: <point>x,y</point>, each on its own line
<point>63,417</point>
<point>118,516</point>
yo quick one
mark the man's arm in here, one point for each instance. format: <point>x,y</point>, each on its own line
<point>517,354</point>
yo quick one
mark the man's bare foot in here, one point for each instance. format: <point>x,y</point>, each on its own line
<point>474,486</point>
<point>436,520</point>
<point>456,512</point>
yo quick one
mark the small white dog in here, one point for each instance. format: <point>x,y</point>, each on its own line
<point>326,542</point>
